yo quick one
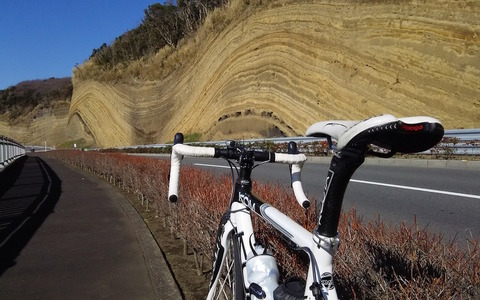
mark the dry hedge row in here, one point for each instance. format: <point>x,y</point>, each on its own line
<point>374,261</point>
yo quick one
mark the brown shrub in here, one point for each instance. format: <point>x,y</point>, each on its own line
<point>373,261</point>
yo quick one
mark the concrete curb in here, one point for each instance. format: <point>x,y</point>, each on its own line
<point>162,278</point>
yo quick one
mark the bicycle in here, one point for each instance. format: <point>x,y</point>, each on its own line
<point>243,268</point>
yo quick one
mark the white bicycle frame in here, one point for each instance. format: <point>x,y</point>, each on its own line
<point>320,249</point>
<point>404,135</point>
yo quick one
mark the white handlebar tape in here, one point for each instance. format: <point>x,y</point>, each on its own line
<point>178,151</point>
<point>181,149</point>
<point>296,160</point>
<point>290,158</point>
<point>297,185</point>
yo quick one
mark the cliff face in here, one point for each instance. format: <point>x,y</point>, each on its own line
<point>49,124</point>
<point>282,68</point>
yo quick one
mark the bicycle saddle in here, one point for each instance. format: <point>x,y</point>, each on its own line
<point>405,135</point>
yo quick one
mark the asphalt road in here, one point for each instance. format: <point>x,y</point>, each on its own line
<point>65,234</point>
<point>445,201</point>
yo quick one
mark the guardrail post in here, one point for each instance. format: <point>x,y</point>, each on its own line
<point>9,151</point>
<point>7,157</point>
<point>1,154</point>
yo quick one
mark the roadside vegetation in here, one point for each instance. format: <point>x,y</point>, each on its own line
<point>374,261</point>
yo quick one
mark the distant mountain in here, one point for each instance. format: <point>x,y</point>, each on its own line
<point>36,112</point>
<point>22,98</point>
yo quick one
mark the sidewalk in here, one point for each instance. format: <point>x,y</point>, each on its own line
<point>66,235</point>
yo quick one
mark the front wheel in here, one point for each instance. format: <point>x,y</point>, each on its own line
<point>227,280</point>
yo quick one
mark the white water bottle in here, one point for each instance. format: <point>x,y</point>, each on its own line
<point>262,275</point>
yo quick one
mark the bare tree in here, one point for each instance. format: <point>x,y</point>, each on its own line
<point>163,20</point>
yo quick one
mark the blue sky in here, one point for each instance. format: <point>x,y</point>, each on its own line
<point>44,38</point>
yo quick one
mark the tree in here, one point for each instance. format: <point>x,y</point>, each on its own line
<point>194,12</point>
<point>164,22</point>
<point>162,25</point>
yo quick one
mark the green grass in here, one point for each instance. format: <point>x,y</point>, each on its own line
<point>192,137</point>
<point>79,143</point>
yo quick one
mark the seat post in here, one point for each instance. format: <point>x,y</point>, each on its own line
<point>344,163</point>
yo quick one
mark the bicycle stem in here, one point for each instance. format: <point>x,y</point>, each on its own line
<point>243,184</point>
<point>246,162</point>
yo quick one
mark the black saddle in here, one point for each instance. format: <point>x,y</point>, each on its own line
<point>404,135</point>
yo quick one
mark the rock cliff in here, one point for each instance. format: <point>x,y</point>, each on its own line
<point>47,124</point>
<point>281,67</point>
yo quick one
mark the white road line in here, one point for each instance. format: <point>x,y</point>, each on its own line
<point>213,166</point>
<point>381,184</point>
<point>417,189</point>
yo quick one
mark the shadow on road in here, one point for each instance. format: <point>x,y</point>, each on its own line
<point>29,191</point>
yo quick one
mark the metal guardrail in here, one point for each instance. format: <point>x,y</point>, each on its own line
<point>462,141</point>
<point>458,141</point>
<point>10,150</point>
<point>464,134</point>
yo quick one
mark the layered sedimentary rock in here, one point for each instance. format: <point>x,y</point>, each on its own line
<point>282,68</point>
<point>48,125</point>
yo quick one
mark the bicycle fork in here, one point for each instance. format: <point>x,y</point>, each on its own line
<point>258,271</point>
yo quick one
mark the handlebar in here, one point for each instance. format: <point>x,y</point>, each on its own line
<point>179,150</point>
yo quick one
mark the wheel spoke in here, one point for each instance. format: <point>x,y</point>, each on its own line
<point>225,286</point>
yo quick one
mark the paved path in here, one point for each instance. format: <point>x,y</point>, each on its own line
<point>67,235</point>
